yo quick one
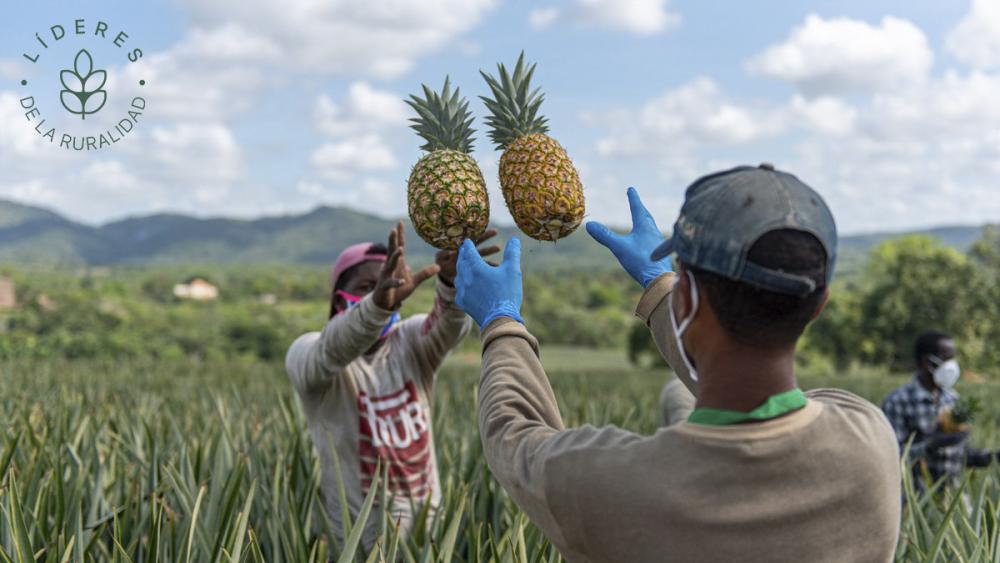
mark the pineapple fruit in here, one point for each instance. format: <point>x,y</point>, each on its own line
<point>446,193</point>
<point>539,183</point>
<point>958,418</point>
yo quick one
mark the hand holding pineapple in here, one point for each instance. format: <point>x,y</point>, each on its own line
<point>486,292</point>
<point>958,419</point>
<point>447,260</point>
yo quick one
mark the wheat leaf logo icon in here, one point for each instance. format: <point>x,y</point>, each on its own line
<point>84,87</point>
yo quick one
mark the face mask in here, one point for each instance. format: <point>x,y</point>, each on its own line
<point>683,326</point>
<point>352,302</point>
<point>946,373</point>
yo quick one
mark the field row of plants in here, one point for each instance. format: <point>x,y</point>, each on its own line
<point>207,461</point>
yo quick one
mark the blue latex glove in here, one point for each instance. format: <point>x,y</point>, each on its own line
<point>486,292</point>
<point>633,250</point>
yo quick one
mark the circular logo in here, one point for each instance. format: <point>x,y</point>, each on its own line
<point>84,94</point>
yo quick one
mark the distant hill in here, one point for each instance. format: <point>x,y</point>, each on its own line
<point>32,235</point>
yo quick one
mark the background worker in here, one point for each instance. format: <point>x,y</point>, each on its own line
<point>366,381</point>
<point>915,411</point>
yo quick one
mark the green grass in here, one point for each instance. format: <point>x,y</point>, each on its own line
<point>187,461</point>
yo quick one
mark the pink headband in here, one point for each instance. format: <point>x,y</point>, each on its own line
<point>352,256</point>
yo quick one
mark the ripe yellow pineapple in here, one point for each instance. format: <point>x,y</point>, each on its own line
<point>446,194</point>
<point>539,183</point>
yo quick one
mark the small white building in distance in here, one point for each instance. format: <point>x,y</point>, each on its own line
<point>8,297</point>
<point>196,289</point>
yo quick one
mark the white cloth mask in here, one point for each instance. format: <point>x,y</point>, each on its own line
<point>678,329</point>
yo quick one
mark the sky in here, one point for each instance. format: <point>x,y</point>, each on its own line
<point>891,110</point>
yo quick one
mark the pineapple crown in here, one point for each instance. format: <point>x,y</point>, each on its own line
<point>443,120</point>
<point>514,110</point>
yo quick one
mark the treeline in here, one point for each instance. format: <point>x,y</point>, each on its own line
<point>907,285</point>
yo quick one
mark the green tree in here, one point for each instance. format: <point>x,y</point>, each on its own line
<point>914,284</point>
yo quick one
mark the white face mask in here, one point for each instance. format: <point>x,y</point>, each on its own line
<point>946,373</point>
<point>683,326</point>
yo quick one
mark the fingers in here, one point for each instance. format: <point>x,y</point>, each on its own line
<point>391,283</point>
<point>467,255</point>
<point>512,254</point>
<point>423,275</point>
<point>602,234</point>
<point>392,241</point>
<point>389,268</point>
<point>489,250</point>
<point>486,236</point>
<point>400,235</point>
<point>639,212</point>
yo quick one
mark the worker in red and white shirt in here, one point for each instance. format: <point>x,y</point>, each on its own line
<point>366,381</point>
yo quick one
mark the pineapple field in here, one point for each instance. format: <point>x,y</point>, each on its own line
<point>210,461</point>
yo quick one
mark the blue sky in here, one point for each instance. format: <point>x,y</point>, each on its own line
<point>889,109</point>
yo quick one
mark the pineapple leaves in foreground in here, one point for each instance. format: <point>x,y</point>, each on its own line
<point>513,110</point>
<point>443,120</point>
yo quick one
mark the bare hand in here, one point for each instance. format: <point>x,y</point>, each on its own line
<point>447,260</point>
<point>395,282</point>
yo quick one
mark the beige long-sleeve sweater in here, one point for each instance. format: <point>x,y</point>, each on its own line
<point>819,484</point>
<point>376,408</point>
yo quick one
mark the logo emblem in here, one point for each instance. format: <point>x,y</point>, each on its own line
<point>81,65</point>
<point>84,87</point>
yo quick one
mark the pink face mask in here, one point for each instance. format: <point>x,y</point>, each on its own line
<point>352,302</point>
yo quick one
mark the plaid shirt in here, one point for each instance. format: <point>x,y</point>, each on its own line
<point>913,411</point>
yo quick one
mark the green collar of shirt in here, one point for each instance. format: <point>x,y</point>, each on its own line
<point>774,406</point>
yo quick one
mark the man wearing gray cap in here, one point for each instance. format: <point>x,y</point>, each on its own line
<point>759,471</point>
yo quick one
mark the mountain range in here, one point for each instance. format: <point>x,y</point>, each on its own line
<point>37,236</point>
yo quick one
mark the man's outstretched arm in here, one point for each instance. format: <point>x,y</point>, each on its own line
<point>518,418</point>
<point>634,252</point>
<point>311,361</point>
<point>446,324</point>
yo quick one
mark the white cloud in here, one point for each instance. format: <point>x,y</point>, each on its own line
<point>197,154</point>
<point>157,167</point>
<point>975,41</point>
<point>382,38</point>
<point>842,55</point>
<point>543,17</point>
<point>641,17</point>
<point>342,159</point>
<point>365,109</point>
<point>694,114</point>
<point>824,114</point>
<point>927,155</point>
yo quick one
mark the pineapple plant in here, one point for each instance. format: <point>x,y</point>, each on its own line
<point>541,187</point>
<point>446,193</point>
<point>959,417</point>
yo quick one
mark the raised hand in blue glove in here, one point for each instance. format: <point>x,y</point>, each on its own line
<point>633,250</point>
<point>488,292</point>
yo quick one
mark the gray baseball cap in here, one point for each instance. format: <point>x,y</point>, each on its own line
<point>725,213</point>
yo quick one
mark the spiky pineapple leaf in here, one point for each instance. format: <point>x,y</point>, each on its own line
<point>443,119</point>
<point>514,105</point>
